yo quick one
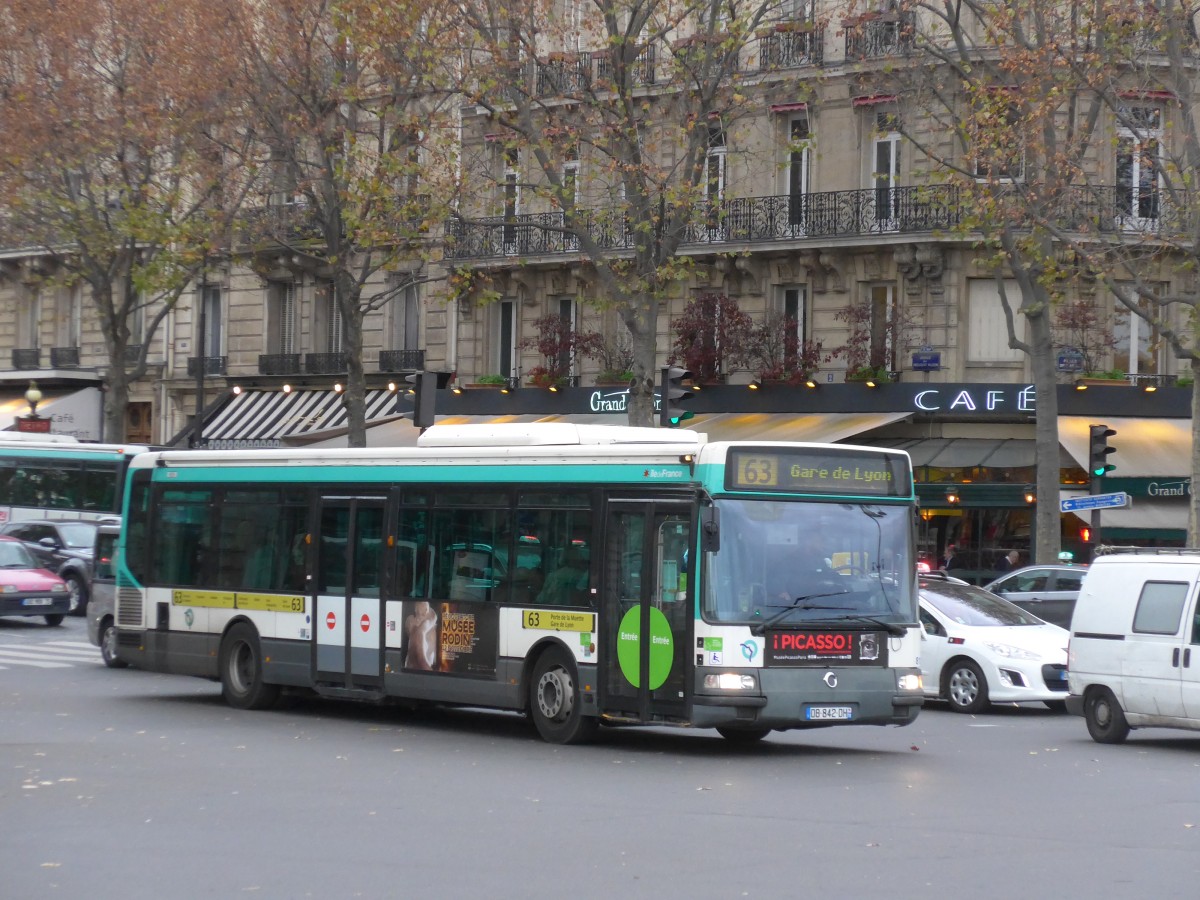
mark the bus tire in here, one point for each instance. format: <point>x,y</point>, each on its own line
<point>555,702</point>
<point>108,645</point>
<point>242,683</point>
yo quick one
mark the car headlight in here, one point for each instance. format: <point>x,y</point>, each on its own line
<point>8,588</point>
<point>1008,651</point>
<point>730,681</point>
<point>59,588</point>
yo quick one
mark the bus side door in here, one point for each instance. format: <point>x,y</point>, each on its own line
<point>647,609</point>
<point>348,628</point>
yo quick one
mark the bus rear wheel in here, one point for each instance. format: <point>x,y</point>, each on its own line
<point>241,669</point>
<point>108,645</point>
<point>555,702</point>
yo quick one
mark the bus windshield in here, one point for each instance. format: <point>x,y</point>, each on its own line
<point>789,563</point>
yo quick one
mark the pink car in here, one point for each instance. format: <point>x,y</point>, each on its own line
<point>26,589</point>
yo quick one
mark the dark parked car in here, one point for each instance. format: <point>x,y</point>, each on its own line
<point>64,546</point>
<point>1048,592</point>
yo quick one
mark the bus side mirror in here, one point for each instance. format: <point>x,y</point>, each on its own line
<point>710,529</point>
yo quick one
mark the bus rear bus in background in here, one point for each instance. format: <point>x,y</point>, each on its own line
<point>578,574</point>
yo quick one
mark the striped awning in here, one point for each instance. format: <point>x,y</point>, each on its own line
<point>266,418</point>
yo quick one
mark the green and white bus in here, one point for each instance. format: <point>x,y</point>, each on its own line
<point>57,477</point>
<point>583,575</point>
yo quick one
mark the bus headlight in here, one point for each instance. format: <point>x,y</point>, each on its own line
<point>730,681</point>
<point>910,682</point>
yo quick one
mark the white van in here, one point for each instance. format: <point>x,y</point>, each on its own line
<point>1134,656</point>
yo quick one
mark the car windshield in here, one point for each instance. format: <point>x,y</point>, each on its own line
<point>79,535</point>
<point>970,605</point>
<point>14,556</point>
<point>798,562</point>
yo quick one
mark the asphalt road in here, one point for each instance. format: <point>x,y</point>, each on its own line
<point>126,784</point>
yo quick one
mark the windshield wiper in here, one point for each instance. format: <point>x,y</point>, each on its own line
<point>893,628</point>
<point>798,603</point>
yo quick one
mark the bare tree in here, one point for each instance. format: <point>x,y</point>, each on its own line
<point>643,91</point>
<point>113,172</point>
<point>996,113</point>
<point>348,104</point>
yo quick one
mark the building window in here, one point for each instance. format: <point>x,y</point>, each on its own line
<point>504,350</point>
<point>69,324</point>
<point>569,315</point>
<point>714,172</point>
<point>799,164</point>
<point>211,325</point>
<point>885,169</point>
<point>510,197</point>
<point>331,316</point>
<point>1137,344</point>
<point>1139,142</point>
<point>282,317</point>
<point>792,304</point>
<point>29,318</point>
<point>999,154</point>
<point>987,329</point>
<point>406,319</point>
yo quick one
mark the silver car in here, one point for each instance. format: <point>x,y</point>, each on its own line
<point>102,610</point>
<point>1048,592</point>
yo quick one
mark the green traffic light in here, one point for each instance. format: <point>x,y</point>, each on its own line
<point>687,414</point>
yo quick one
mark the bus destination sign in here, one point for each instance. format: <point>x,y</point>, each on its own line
<point>818,470</point>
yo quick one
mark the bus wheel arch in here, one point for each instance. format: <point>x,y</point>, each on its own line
<point>555,700</point>
<point>241,668</point>
<point>108,644</point>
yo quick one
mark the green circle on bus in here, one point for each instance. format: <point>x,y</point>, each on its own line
<point>662,647</point>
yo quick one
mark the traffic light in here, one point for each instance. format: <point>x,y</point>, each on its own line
<point>1098,450</point>
<point>673,391</point>
<point>424,394</point>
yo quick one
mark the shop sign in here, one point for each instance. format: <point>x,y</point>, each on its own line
<point>984,398</point>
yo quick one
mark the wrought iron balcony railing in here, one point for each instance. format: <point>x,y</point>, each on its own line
<point>27,358</point>
<point>879,35</point>
<point>642,72</point>
<point>279,364</point>
<point>401,360</point>
<point>64,357</point>
<point>748,219</point>
<point>790,45</point>
<point>210,365</point>
<point>325,363</point>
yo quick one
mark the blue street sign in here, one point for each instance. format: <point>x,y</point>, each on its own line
<point>1094,501</point>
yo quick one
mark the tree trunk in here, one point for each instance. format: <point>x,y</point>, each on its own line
<point>1193,532</point>
<point>1048,525</point>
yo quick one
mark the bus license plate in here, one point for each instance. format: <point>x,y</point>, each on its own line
<point>818,713</point>
<point>37,601</point>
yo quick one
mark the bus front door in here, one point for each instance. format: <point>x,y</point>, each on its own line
<point>647,609</point>
<point>348,628</point>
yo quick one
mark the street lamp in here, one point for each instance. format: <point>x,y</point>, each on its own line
<point>33,397</point>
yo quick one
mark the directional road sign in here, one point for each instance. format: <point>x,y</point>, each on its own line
<point>1094,501</point>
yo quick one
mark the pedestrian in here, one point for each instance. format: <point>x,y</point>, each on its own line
<point>1008,561</point>
<point>950,557</point>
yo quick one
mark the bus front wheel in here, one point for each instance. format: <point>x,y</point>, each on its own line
<point>242,683</point>
<point>555,702</point>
